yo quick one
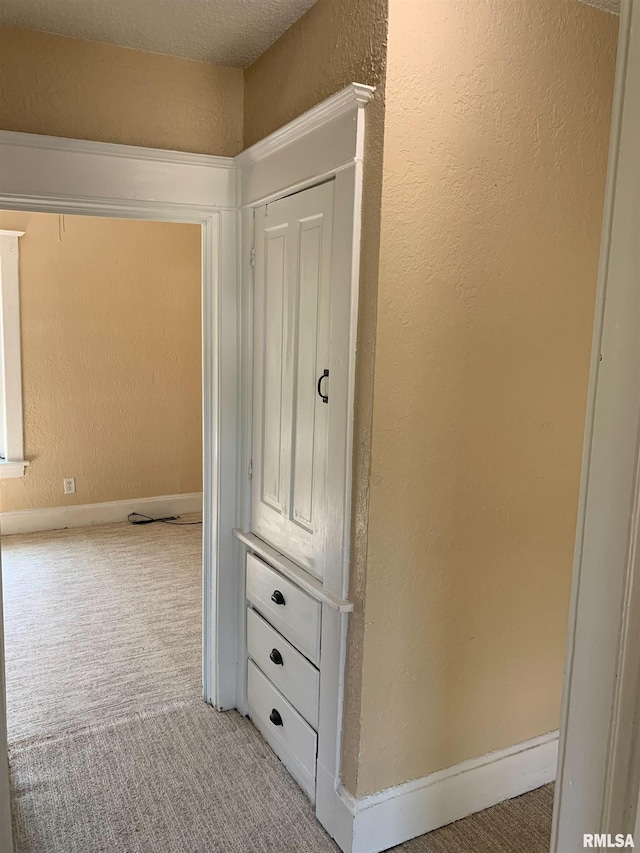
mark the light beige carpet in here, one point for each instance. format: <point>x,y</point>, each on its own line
<point>113,751</point>
<point>181,779</point>
<point>100,622</point>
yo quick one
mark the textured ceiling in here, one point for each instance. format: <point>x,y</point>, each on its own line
<point>608,5</point>
<point>231,32</point>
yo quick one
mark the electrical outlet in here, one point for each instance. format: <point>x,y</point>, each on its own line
<point>69,485</point>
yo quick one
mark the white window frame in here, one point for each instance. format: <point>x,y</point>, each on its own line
<point>12,461</point>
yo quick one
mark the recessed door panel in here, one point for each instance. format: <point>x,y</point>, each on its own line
<point>273,322</point>
<point>309,422</point>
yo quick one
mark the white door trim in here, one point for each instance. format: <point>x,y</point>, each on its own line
<point>102,173</point>
<point>597,788</point>
<point>54,175</point>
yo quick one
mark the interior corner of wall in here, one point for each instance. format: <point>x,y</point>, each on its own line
<point>351,726</point>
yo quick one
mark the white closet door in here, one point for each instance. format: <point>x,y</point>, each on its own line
<point>291,353</point>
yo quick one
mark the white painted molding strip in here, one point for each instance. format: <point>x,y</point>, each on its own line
<point>73,169</point>
<point>57,518</point>
<point>394,816</point>
<point>290,570</point>
<point>311,148</point>
<point>346,100</point>
<point>111,149</point>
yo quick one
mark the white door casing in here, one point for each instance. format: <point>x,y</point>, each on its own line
<point>598,765</point>
<point>292,291</point>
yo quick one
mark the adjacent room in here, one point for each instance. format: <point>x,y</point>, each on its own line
<point>102,617</point>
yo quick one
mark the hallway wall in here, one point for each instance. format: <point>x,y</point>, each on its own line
<point>495,152</point>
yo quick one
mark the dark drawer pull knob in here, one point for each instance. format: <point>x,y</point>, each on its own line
<point>277,597</point>
<point>276,657</point>
<point>275,718</point>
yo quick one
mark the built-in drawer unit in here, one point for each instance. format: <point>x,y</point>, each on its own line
<point>290,671</point>
<point>294,613</point>
<point>284,729</point>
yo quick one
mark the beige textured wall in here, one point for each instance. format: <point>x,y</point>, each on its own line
<point>333,44</point>
<point>61,86</point>
<point>497,124</point>
<point>110,358</point>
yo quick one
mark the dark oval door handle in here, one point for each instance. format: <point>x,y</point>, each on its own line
<point>276,657</point>
<point>277,597</point>
<point>323,397</point>
<point>275,718</point>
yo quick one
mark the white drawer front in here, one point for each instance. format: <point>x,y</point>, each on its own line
<point>297,616</point>
<point>293,740</point>
<point>290,671</point>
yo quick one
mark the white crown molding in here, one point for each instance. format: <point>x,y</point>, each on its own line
<point>352,97</point>
<point>391,817</point>
<point>5,233</point>
<point>50,168</point>
<point>110,149</point>
<point>308,150</point>
<point>120,208</point>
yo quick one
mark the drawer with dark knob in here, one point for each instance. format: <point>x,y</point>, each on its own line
<point>291,738</point>
<point>290,671</point>
<point>294,613</point>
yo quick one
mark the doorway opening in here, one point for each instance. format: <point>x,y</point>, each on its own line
<point>102,608</point>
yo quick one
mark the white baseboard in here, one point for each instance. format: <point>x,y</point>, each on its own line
<point>57,518</point>
<point>398,814</point>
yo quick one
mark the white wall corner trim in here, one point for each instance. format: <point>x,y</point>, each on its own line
<point>57,518</point>
<point>376,823</point>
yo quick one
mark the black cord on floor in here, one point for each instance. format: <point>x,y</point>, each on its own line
<point>139,518</point>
